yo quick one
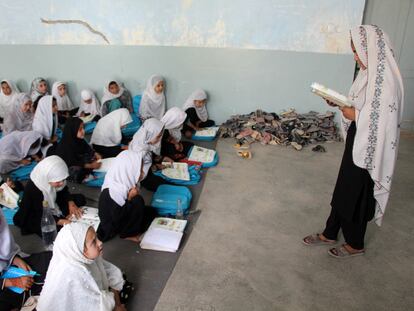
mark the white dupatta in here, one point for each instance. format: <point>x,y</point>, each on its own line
<point>74,282</point>
<point>377,94</point>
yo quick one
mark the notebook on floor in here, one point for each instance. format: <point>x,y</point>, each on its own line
<point>164,234</point>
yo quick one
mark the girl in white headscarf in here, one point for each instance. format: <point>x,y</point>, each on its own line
<point>10,255</point>
<point>197,115</point>
<point>89,106</point>
<point>153,100</point>
<point>148,142</point>
<point>372,128</point>
<point>47,183</point>
<point>115,96</point>
<point>38,88</point>
<point>66,107</point>
<point>45,120</point>
<point>20,117</point>
<point>171,144</point>
<point>107,135</point>
<point>78,277</point>
<point>8,95</point>
<point>18,149</point>
<point>121,208</point>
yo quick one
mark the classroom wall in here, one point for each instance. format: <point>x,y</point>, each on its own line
<point>246,54</point>
<point>238,81</point>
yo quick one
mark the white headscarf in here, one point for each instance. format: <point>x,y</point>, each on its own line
<point>50,169</point>
<point>198,94</point>
<point>44,116</point>
<point>140,142</point>
<point>6,101</point>
<point>123,175</point>
<point>377,94</point>
<point>107,95</point>
<point>173,121</point>
<point>34,89</point>
<point>94,108</point>
<point>17,120</point>
<point>15,147</point>
<point>108,129</point>
<point>85,283</point>
<point>152,104</point>
<point>64,103</point>
<point>8,247</point>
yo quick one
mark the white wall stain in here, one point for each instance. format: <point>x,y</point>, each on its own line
<point>138,36</point>
<point>217,35</point>
<point>186,4</point>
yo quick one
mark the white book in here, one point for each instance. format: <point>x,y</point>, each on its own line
<point>207,132</point>
<point>106,164</point>
<point>90,217</point>
<point>88,118</point>
<point>203,155</point>
<point>176,170</point>
<point>164,234</point>
<point>8,197</point>
<point>331,95</point>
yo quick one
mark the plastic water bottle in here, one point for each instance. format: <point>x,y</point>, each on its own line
<point>179,214</point>
<point>48,226</point>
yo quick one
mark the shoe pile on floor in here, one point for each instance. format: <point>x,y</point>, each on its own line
<point>288,128</point>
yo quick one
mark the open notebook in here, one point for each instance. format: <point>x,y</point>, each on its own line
<point>164,234</point>
<point>331,95</point>
<point>89,217</point>
<point>176,170</point>
<point>106,164</point>
<point>207,132</point>
<point>203,155</point>
<point>87,118</point>
<point>8,197</point>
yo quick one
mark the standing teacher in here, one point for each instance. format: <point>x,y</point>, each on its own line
<point>372,130</point>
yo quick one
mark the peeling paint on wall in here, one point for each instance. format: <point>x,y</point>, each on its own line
<point>292,25</point>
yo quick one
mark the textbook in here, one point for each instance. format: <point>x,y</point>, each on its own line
<point>207,132</point>
<point>164,235</point>
<point>8,197</point>
<point>106,164</point>
<point>331,95</point>
<point>203,155</point>
<point>90,217</point>
<point>176,170</point>
<point>88,118</point>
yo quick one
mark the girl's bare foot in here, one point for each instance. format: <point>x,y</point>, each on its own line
<point>136,238</point>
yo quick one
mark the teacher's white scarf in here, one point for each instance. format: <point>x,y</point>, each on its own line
<point>377,94</point>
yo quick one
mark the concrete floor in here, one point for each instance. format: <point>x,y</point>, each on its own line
<point>245,253</point>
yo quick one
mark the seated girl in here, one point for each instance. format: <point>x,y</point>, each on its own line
<point>89,106</point>
<point>20,116</point>
<point>153,100</point>
<point>171,144</point>
<point>107,135</point>
<point>197,115</point>
<point>80,158</point>
<point>65,106</point>
<point>8,95</point>
<point>47,183</point>
<point>78,277</point>
<point>148,141</point>
<point>11,256</point>
<point>38,88</point>
<point>121,207</point>
<point>45,120</point>
<point>18,149</point>
<point>115,96</point>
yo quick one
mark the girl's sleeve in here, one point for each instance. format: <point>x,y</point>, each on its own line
<point>115,278</point>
